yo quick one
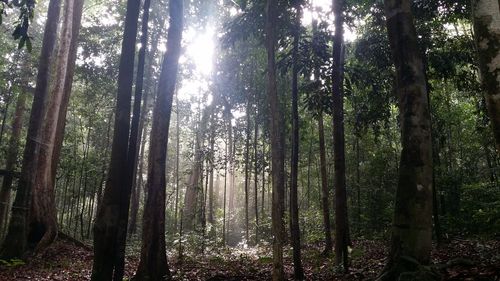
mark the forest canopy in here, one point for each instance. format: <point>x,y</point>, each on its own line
<point>249,140</point>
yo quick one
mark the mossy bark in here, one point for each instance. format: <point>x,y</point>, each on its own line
<point>412,226</point>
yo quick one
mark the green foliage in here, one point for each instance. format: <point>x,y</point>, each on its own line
<point>479,210</point>
<point>21,25</point>
<point>12,262</point>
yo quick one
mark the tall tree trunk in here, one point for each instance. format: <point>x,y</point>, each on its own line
<point>68,85</point>
<point>153,263</point>
<point>276,132</point>
<point>231,147</point>
<point>294,162</point>
<point>114,207</point>
<point>133,145</point>
<point>256,175</point>
<point>15,243</point>
<point>324,188</point>
<point>341,225</point>
<point>412,227</point>
<point>211,177</point>
<point>10,164</point>
<point>225,195</point>
<point>43,220</point>
<point>486,21</point>
<point>247,168</point>
<point>194,186</point>
<point>177,158</point>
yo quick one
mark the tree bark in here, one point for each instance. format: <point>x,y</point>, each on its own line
<point>133,144</point>
<point>327,229</point>
<point>341,225</point>
<point>412,226</point>
<point>43,220</point>
<point>276,132</point>
<point>256,175</point>
<point>153,263</point>
<point>113,211</point>
<point>194,186</point>
<point>486,21</point>
<point>247,168</point>
<point>11,159</point>
<point>15,243</point>
<point>294,161</point>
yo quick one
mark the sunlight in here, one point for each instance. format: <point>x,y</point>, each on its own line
<point>201,50</point>
<point>325,6</point>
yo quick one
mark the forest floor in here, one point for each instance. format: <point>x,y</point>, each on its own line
<point>458,259</point>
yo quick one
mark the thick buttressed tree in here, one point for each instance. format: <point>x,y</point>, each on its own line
<point>412,225</point>
<point>112,215</point>
<point>153,264</point>
<point>16,241</point>
<point>43,220</point>
<point>277,152</point>
<point>341,225</point>
<point>486,21</point>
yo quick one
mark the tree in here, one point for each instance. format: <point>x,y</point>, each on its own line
<point>15,243</point>
<point>412,225</point>
<point>43,221</point>
<point>486,21</point>
<point>153,263</point>
<point>341,226</point>
<point>294,162</point>
<point>10,165</point>
<point>112,215</point>
<point>277,152</point>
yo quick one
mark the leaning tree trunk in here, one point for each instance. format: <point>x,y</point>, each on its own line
<point>341,225</point>
<point>68,85</point>
<point>115,201</point>
<point>412,226</point>
<point>43,220</point>
<point>276,127</point>
<point>153,264</point>
<point>15,243</point>
<point>294,162</point>
<point>486,21</point>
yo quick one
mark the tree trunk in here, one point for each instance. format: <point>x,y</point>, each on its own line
<point>486,21</point>
<point>43,220</point>
<point>153,263</point>
<point>211,177</point>
<point>412,227</point>
<point>247,168</point>
<point>276,132</point>
<point>194,186</point>
<point>113,211</point>
<point>11,159</point>
<point>294,162</point>
<point>15,243</point>
<point>324,188</point>
<point>256,175</point>
<point>133,146</point>
<point>177,158</point>
<point>341,226</point>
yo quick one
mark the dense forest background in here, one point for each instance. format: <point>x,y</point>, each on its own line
<point>225,135</point>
